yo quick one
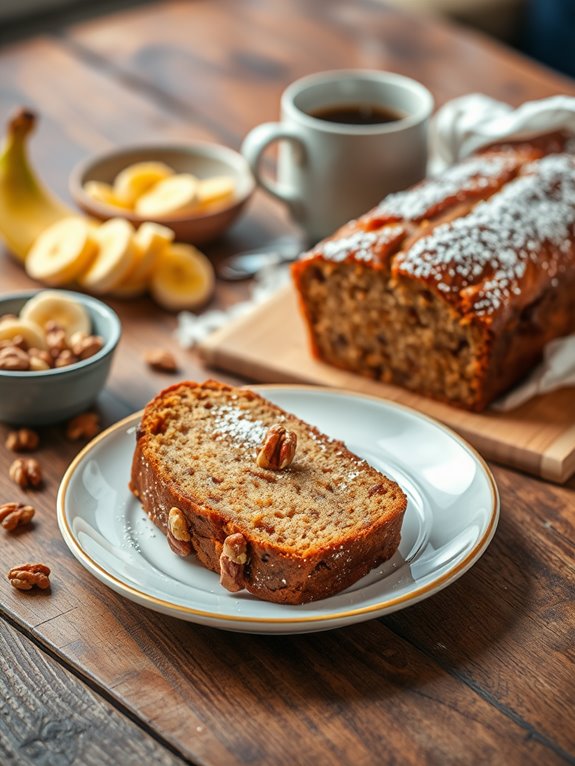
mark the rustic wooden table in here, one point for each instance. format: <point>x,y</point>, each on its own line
<point>480,673</point>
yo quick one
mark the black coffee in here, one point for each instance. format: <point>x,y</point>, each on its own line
<point>357,114</point>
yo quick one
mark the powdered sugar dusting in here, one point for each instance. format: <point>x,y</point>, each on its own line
<point>361,245</point>
<point>233,423</point>
<point>530,221</point>
<point>474,175</point>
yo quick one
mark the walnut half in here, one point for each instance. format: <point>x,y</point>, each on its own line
<point>232,560</point>
<point>278,448</point>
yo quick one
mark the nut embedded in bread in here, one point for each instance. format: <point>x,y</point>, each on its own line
<point>452,288</point>
<point>293,534</point>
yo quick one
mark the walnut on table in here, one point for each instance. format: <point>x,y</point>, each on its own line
<point>83,426</point>
<point>22,440</point>
<point>28,576</point>
<point>161,360</point>
<point>13,515</point>
<point>26,472</point>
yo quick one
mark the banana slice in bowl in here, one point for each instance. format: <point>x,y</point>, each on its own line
<point>137,179</point>
<point>174,196</point>
<point>55,306</point>
<point>23,327</point>
<point>206,191</point>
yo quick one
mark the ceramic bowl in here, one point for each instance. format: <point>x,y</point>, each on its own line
<point>203,160</point>
<point>39,398</point>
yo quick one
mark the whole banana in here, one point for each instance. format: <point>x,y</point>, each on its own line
<point>26,207</point>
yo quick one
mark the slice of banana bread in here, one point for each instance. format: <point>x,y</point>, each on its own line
<point>218,471</point>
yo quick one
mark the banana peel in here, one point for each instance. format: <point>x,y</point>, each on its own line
<point>27,208</point>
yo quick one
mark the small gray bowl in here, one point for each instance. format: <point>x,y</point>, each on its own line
<point>39,398</point>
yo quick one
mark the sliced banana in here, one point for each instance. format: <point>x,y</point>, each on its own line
<point>183,278</point>
<point>176,195</point>
<point>102,192</point>
<point>62,252</point>
<point>138,179</point>
<point>32,333</point>
<point>150,241</point>
<point>216,189</point>
<point>55,306</point>
<point>115,258</point>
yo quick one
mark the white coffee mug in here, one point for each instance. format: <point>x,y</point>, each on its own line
<point>330,171</point>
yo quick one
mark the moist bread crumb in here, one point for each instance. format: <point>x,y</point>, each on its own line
<point>311,529</point>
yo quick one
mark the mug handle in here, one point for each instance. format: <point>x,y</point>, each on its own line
<point>253,147</point>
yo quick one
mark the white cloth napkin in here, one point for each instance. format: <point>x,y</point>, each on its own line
<point>459,128</point>
<point>557,370</point>
<point>468,123</point>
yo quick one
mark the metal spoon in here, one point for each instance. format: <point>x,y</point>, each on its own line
<point>247,264</point>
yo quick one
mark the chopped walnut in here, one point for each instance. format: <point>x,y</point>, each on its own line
<point>83,426</point>
<point>65,358</point>
<point>278,448</point>
<point>20,342</point>
<point>55,338</point>
<point>26,472</point>
<point>38,365</point>
<point>14,359</point>
<point>41,355</point>
<point>28,576</point>
<point>85,346</point>
<point>232,561</point>
<point>161,360</point>
<point>22,440</point>
<point>13,515</point>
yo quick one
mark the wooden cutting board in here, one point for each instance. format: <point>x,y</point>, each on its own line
<point>269,345</point>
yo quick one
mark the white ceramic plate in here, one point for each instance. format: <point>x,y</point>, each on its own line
<point>451,517</point>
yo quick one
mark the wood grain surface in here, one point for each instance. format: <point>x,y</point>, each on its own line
<point>47,716</point>
<point>480,673</point>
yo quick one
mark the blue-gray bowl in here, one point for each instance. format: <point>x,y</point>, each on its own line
<point>39,398</point>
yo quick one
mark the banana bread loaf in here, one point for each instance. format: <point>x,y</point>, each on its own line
<point>217,469</point>
<point>453,288</point>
